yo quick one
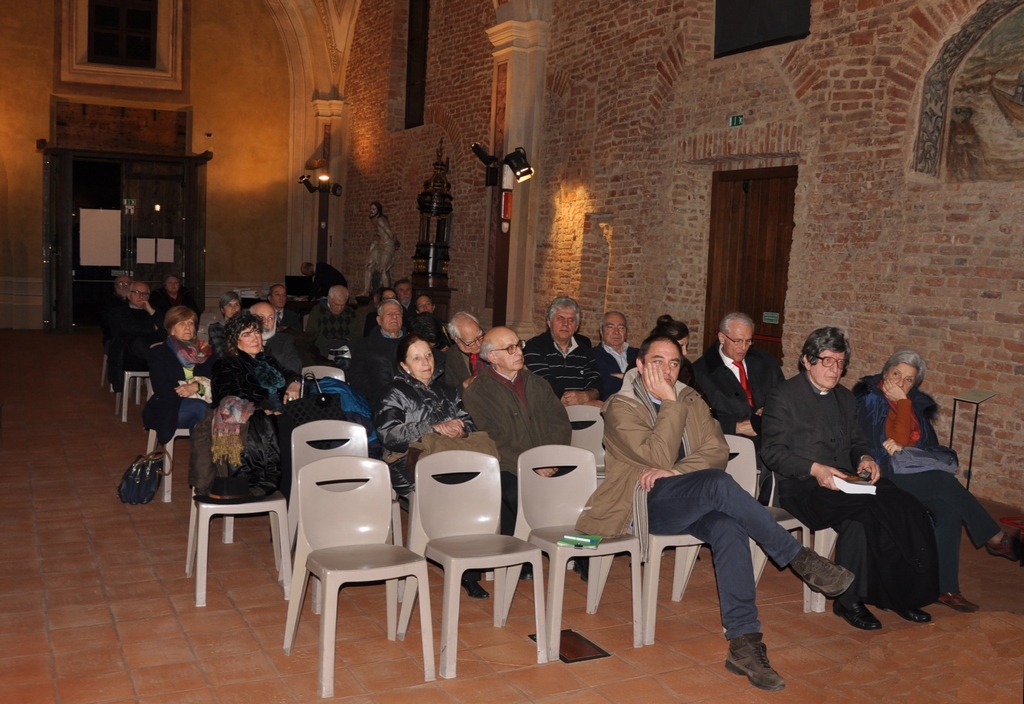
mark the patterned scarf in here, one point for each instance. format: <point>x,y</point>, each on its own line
<point>270,379</point>
<point>232,413</point>
<point>189,354</point>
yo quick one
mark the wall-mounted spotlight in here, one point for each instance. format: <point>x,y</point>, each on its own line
<point>515,160</point>
<point>324,185</point>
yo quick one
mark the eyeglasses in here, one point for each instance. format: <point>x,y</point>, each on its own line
<point>475,341</point>
<point>613,326</point>
<point>123,284</point>
<point>144,294</point>
<point>744,343</point>
<point>829,362</point>
<point>511,349</point>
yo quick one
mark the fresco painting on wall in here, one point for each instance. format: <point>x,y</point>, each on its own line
<point>986,122</point>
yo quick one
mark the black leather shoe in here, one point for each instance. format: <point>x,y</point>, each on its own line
<point>913,615</point>
<point>474,590</point>
<point>857,615</point>
<point>526,574</point>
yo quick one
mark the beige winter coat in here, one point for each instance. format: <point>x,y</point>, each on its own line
<point>633,445</point>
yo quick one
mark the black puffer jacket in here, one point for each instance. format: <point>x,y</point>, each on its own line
<point>408,410</point>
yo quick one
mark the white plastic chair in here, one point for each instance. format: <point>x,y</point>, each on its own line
<point>321,371</point>
<point>343,529</point>
<point>165,485</point>
<point>103,372</point>
<point>121,399</point>
<point>548,509</point>
<point>352,439</point>
<point>742,468</point>
<point>824,542</point>
<point>588,433</point>
<point>199,537</point>
<point>456,526</point>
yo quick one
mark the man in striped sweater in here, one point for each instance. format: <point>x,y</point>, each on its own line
<point>563,358</point>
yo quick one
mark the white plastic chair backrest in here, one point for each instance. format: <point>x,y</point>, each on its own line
<point>472,507</point>
<point>321,371</point>
<point>743,467</point>
<point>351,435</point>
<point>587,430</point>
<point>344,501</point>
<point>554,501</point>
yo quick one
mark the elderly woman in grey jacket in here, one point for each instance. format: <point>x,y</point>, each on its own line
<point>415,404</point>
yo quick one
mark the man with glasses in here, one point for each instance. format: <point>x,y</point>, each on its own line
<point>133,329</point>
<point>613,356</point>
<point>463,362</point>
<point>737,378</point>
<point>563,358</point>
<point>118,299</point>
<point>517,408</point>
<point>811,437</point>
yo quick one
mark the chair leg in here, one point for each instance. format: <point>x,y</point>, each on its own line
<point>758,559</point>
<point>426,624</point>
<point>824,544</point>
<point>634,569</point>
<point>556,593</point>
<point>125,395</point>
<point>328,633</point>
<point>300,577</point>
<point>595,587</point>
<point>117,402</point>
<point>411,590</point>
<point>193,529</point>
<point>686,558</point>
<point>103,374</point>
<point>202,555</point>
<point>391,592</point>
<point>538,609</point>
<point>282,550</point>
<point>652,574</point>
<point>165,481</point>
<point>228,535</point>
<point>450,622</point>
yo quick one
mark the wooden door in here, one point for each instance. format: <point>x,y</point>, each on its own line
<point>748,257</point>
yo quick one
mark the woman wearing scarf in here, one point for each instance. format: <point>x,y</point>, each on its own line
<point>247,381</point>
<point>894,413</point>
<point>179,371</point>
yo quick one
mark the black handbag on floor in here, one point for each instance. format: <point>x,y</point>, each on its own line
<point>142,479</point>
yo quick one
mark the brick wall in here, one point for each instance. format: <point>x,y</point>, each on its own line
<point>634,125</point>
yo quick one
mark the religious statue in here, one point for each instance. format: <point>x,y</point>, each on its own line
<point>382,250</point>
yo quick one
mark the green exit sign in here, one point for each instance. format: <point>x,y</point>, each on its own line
<point>735,120</point>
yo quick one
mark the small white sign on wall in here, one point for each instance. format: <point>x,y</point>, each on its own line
<point>99,237</point>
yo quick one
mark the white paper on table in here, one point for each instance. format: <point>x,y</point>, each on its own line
<point>145,250</point>
<point>99,237</point>
<point>165,250</point>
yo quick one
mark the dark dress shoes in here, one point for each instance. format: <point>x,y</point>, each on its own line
<point>857,615</point>
<point>473,589</point>
<point>913,615</point>
<point>527,572</point>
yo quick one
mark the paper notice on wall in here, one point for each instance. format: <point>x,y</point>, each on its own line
<point>99,237</point>
<point>145,250</point>
<point>165,250</point>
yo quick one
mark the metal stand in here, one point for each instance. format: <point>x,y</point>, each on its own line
<point>976,397</point>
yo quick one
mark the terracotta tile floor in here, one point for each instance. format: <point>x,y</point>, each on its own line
<point>96,606</point>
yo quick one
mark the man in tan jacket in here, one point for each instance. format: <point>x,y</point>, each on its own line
<point>664,462</point>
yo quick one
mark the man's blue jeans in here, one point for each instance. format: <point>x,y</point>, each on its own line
<point>712,507</point>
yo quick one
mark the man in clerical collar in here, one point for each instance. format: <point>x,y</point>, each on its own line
<point>613,356</point>
<point>564,358</point>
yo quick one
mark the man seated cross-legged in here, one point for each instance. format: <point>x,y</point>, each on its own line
<point>664,462</point>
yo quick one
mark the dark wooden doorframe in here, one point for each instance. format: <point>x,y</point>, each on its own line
<point>58,261</point>
<point>751,235</point>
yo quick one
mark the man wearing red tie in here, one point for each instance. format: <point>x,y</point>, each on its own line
<point>463,362</point>
<point>737,379</point>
